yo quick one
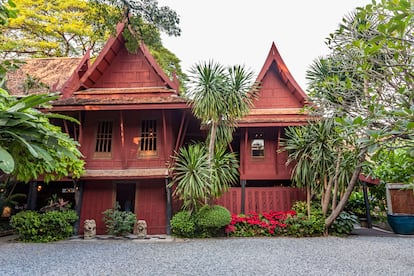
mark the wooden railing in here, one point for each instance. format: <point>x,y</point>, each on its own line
<point>258,199</point>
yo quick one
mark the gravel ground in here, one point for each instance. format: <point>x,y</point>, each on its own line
<point>355,255</point>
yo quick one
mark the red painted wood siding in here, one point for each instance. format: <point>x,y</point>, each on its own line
<point>151,205</point>
<point>262,199</point>
<point>270,167</point>
<point>97,197</point>
<point>274,93</point>
<point>129,70</point>
<point>128,156</point>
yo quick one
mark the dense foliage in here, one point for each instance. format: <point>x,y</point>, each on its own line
<point>366,86</point>
<point>183,225</point>
<point>209,221</point>
<point>30,146</point>
<point>69,28</point>
<point>195,184</point>
<point>32,226</point>
<point>119,222</point>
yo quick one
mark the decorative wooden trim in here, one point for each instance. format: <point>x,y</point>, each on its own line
<point>126,173</point>
<point>277,111</point>
<point>134,90</point>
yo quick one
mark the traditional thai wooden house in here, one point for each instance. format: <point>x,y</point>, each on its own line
<point>132,119</point>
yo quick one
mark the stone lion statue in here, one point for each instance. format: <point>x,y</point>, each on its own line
<point>89,229</point>
<point>140,229</point>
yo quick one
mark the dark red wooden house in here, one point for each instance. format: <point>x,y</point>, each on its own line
<point>132,119</point>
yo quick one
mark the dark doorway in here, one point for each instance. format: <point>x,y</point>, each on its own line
<point>125,196</point>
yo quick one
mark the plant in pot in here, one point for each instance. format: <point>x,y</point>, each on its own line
<point>395,168</point>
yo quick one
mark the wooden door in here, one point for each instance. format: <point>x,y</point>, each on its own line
<point>151,206</point>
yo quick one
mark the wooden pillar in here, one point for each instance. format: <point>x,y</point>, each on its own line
<point>367,212</point>
<point>164,135</point>
<point>32,196</point>
<point>243,196</point>
<point>169,205</point>
<point>123,150</point>
<point>78,204</point>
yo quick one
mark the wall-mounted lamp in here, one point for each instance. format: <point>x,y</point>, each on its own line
<point>39,188</point>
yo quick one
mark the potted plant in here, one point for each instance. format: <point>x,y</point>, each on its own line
<point>395,168</point>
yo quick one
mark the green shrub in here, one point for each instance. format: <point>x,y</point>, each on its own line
<point>303,226</point>
<point>344,224</point>
<point>182,225</point>
<point>50,226</point>
<point>356,204</point>
<point>211,220</point>
<point>118,222</point>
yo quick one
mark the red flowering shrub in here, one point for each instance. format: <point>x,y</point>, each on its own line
<point>254,224</point>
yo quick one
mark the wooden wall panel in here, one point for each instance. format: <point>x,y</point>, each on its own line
<point>128,71</point>
<point>151,205</point>
<point>402,201</point>
<point>98,196</point>
<point>262,199</point>
<point>231,200</point>
<point>275,94</point>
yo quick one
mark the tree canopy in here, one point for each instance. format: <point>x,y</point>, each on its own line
<point>30,146</point>
<point>366,85</point>
<point>63,28</point>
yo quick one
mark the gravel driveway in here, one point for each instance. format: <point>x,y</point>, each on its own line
<point>355,255</point>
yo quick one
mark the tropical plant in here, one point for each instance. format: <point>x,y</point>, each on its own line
<point>344,224</point>
<point>220,96</point>
<point>30,145</point>
<point>183,225</point>
<point>118,222</point>
<point>366,83</point>
<point>8,198</point>
<point>84,25</point>
<point>194,183</point>
<point>394,165</point>
<point>50,226</point>
<point>211,220</point>
<point>55,204</point>
<point>323,163</point>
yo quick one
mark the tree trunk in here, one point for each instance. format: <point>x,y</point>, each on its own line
<point>335,213</point>
<point>211,144</point>
<point>327,197</point>
<point>328,192</point>
<point>308,199</point>
<point>335,194</point>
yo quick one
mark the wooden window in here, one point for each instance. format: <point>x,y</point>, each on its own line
<point>257,146</point>
<point>103,145</point>
<point>148,140</point>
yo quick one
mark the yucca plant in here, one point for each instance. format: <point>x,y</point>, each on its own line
<point>195,184</point>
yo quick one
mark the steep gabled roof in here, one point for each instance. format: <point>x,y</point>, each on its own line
<point>82,80</point>
<point>281,99</point>
<point>274,58</point>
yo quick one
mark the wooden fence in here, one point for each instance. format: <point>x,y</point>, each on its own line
<point>259,199</point>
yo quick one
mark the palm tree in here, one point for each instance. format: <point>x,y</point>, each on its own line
<point>192,175</point>
<point>322,160</point>
<point>219,97</point>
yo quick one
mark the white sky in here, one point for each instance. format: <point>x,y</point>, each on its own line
<point>241,31</point>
